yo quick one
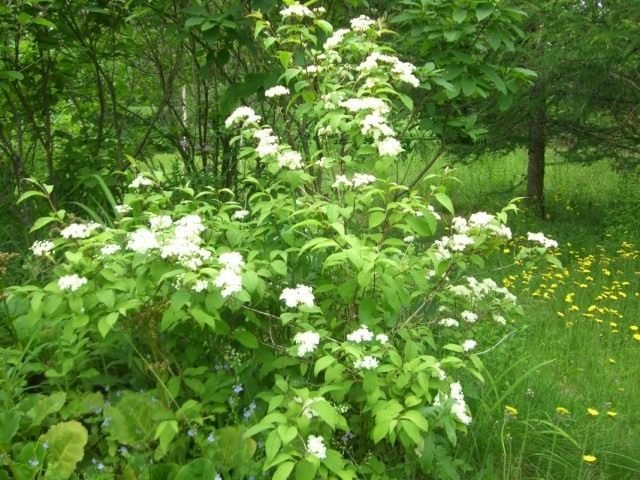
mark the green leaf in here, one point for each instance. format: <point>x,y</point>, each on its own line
<point>417,418</point>
<point>323,363</point>
<point>459,16</point>
<point>66,448</point>
<point>29,194</point>
<point>9,423</point>
<point>326,412</point>
<point>412,431</point>
<point>285,58</point>
<point>46,406</point>
<point>483,10</point>
<point>106,297</point>
<point>445,201</point>
<point>235,450</point>
<point>376,218</point>
<point>468,85</point>
<point>42,222</point>
<point>246,338</point>
<point>283,471</point>
<point>272,445</point>
<point>287,434</point>
<point>106,323</point>
<point>198,469</point>
<point>306,470</point>
<point>165,432</point>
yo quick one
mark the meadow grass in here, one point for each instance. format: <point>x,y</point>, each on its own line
<point>562,398</point>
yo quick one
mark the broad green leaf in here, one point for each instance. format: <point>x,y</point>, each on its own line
<point>323,363</point>
<point>306,470</point>
<point>106,323</point>
<point>198,469</point>
<point>165,433</point>
<point>417,418</point>
<point>283,471</point>
<point>46,406</point>
<point>445,201</point>
<point>246,338</point>
<point>235,450</point>
<point>459,15</point>
<point>66,448</point>
<point>42,222</point>
<point>483,10</point>
<point>9,423</point>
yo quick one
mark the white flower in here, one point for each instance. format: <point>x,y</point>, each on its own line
<point>301,295</point>
<point>109,249</point>
<point>316,447</point>
<point>469,345</point>
<point>311,69</point>
<point>382,338</point>
<point>481,219</point>
<point>360,179</point>
<point>240,214</point>
<point>503,231</point>
<point>307,342</point>
<point>405,70</point>
<point>434,213</point>
<point>361,24</point>
<point>459,407</point>
<point>231,260</point>
<point>189,227</point>
<point>200,286</point>
<point>367,363</point>
<point>376,124</point>
<point>71,282</point>
<point>335,39</point>
<point>140,181</point>
<point>365,103</point>
<point>79,230</point>
<point>389,146</point>
<point>459,242</point>
<point>449,322</point>
<point>460,225</point>
<point>542,240</point>
<point>469,317</point>
<point>290,159</point>
<point>276,91</point>
<point>341,180</point>
<point>122,209</point>
<point>160,222</point>
<point>229,281</point>
<point>296,10</point>
<point>267,142</point>
<point>142,240</point>
<point>500,319</point>
<point>409,239</point>
<point>242,115</point>
<point>41,247</point>
<point>363,334</point>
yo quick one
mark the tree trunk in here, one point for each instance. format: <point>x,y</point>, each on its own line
<point>536,150</point>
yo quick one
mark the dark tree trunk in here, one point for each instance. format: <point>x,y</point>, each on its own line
<point>536,150</point>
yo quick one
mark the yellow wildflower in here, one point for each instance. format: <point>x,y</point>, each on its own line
<point>611,413</point>
<point>562,411</point>
<point>511,411</point>
<point>589,458</point>
<point>592,412</point>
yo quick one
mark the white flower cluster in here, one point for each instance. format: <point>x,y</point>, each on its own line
<point>446,246</point>
<point>142,240</point>
<point>358,180</point>
<point>306,341</point>
<point>201,285</point>
<point>362,334</point>
<point>296,10</point>
<point>267,142</point>
<point>481,221</point>
<point>376,125</point>
<point>542,240</point>
<point>355,105</point>
<point>469,345</point>
<point>361,23</point>
<point>240,214</point>
<point>290,159</point>
<point>316,447</point>
<point>71,282</point>
<point>122,209</point>
<point>294,297</point>
<point>390,146</point>
<point>79,230</point>
<point>367,363</point>
<point>42,247</point>
<point>229,279</point>
<point>403,70</point>
<point>276,91</point>
<point>160,222</point>
<point>475,291</point>
<point>459,406</point>
<point>335,39</point>
<point>242,115</point>
<point>449,322</point>
<point>469,317</point>
<point>109,249</point>
<point>140,181</point>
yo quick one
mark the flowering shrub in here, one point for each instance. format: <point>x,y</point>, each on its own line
<point>317,323</point>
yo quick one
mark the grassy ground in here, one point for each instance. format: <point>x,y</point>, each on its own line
<point>563,399</point>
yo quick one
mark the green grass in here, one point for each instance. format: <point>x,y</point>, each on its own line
<point>575,347</point>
